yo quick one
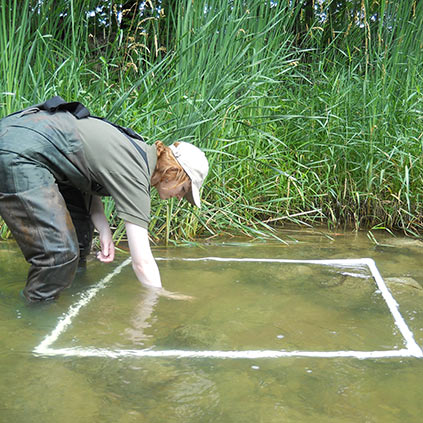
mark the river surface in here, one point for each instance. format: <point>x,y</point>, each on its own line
<point>92,369</point>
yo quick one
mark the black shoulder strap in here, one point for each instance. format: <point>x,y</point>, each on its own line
<point>57,103</point>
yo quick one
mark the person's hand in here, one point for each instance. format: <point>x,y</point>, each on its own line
<point>107,253</point>
<point>174,295</point>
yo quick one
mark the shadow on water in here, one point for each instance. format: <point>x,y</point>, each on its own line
<point>236,306</point>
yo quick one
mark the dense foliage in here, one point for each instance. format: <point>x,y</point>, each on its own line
<point>309,111</point>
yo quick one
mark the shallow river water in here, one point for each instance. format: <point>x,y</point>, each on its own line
<point>91,356</point>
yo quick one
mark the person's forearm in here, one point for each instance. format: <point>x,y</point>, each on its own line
<point>143,263</point>
<point>98,217</point>
<point>147,272</point>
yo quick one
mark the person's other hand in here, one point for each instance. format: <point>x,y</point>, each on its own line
<point>107,253</point>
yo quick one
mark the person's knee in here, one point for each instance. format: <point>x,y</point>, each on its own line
<point>57,256</point>
<point>46,283</point>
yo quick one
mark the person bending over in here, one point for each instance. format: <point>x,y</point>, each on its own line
<point>56,161</point>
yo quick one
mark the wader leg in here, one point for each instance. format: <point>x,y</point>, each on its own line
<point>43,229</point>
<point>78,209</point>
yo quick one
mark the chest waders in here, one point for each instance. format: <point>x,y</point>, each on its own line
<point>43,176</point>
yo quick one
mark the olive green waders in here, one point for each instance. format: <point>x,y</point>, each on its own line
<point>46,214</point>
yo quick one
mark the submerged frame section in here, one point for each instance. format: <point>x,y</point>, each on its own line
<point>412,349</point>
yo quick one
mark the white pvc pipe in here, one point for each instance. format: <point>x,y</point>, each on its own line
<point>248,354</point>
<point>411,350</point>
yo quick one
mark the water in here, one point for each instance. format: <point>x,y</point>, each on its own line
<point>235,307</point>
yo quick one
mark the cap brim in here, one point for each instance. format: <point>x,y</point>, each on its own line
<point>193,197</point>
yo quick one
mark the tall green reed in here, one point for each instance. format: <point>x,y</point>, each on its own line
<point>326,130</point>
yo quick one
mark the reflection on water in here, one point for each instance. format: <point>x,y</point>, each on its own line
<point>236,306</point>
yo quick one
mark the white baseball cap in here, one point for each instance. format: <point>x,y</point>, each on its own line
<point>195,164</point>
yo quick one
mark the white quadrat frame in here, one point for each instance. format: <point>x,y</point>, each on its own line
<point>412,349</point>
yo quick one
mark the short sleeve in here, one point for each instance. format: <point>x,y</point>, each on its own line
<point>131,196</point>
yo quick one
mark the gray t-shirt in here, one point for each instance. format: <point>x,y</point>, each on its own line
<point>118,168</point>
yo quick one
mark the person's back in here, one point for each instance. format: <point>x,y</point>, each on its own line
<point>47,140</point>
<point>119,168</point>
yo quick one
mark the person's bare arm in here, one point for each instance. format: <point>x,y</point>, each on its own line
<point>143,263</point>
<point>107,253</point>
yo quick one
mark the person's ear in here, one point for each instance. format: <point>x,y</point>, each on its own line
<point>160,148</point>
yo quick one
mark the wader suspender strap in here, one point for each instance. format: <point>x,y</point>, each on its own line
<point>57,103</point>
<point>81,112</point>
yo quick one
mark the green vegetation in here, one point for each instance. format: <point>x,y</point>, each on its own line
<point>308,114</point>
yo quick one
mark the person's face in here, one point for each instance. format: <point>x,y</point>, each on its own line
<point>169,188</point>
